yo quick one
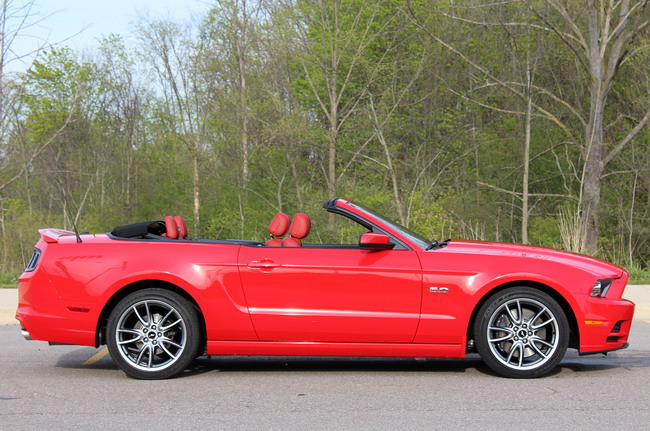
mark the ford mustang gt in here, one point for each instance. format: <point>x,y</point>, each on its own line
<point>159,298</point>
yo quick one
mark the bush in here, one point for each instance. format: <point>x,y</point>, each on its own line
<point>8,280</point>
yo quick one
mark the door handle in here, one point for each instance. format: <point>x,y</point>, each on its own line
<point>263,264</point>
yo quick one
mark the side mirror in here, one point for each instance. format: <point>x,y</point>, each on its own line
<point>375,241</point>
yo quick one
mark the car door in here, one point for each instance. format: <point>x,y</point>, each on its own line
<point>332,293</point>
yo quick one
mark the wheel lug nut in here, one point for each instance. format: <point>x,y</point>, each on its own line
<point>160,334</point>
<point>530,332</point>
<point>516,338</point>
<point>153,327</point>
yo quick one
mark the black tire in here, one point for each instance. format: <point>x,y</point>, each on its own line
<point>153,334</point>
<point>521,332</point>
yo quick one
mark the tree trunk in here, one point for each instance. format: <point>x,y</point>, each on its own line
<point>296,182</point>
<point>331,153</point>
<point>631,235</point>
<point>197,188</point>
<point>393,176</point>
<point>524,197</point>
<point>243,107</point>
<point>594,136</point>
<point>332,138</point>
<point>591,183</point>
<point>4,235</point>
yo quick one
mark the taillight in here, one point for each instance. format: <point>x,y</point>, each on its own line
<point>33,262</point>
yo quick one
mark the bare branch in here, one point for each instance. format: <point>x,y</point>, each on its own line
<point>617,149</point>
<point>519,195</point>
<point>627,171</point>
<point>567,130</point>
<point>36,153</point>
<point>620,27</point>
<point>566,41</point>
<point>570,21</point>
<point>506,24</point>
<point>481,104</point>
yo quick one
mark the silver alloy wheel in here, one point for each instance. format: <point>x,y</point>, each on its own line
<point>523,334</point>
<point>151,335</point>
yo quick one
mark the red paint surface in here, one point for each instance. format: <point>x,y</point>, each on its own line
<point>314,301</point>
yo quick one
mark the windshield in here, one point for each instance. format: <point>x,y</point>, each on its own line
<point>414,237</point>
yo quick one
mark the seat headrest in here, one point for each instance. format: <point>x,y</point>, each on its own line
<point>279,224</point>
<point>172,229</point>
<point>300,226</point>
<point>182,227</point>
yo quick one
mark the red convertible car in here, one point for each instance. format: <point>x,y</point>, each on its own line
<point>159,298</point>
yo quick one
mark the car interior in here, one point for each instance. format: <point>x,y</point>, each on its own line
<point>283,231</point>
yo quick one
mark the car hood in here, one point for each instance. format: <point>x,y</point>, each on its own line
<point>598,267</point>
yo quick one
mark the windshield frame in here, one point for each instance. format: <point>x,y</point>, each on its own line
<point>412,236</point>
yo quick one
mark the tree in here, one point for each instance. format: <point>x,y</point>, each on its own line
<point>599,41</point>
<point>600,44</point>
<point>336,40</point>
<point>174,58</point>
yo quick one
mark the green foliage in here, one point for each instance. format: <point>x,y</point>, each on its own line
<point>120,136</point>
<point>8,280</point>
<point>544,231</point>
<point>638,274</point>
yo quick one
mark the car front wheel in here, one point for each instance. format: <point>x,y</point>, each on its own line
<point>521,333</point>
<point>153,334</point>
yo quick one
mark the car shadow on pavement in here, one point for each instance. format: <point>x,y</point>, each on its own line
<point>337,364</point>
<point>79,359</point>
<point>86,358</point>
<point>628,360</point>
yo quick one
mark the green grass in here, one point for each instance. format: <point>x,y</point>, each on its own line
<point>8,280</point>
<point>638,274</point>
<point>639,277</point>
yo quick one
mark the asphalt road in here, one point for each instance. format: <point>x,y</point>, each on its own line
<point>57,387</point>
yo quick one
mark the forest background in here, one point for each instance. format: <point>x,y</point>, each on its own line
<point>505,120</point>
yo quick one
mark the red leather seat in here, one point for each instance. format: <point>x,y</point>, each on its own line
<point>300,228</point>
<point>182,227</point>
<point>171,228</point>
<point>277,228</point>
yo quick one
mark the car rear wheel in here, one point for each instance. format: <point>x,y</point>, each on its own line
<point>521,333</point>
<point>153,334</point>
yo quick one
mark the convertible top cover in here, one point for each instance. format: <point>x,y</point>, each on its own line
<point>141,229</point>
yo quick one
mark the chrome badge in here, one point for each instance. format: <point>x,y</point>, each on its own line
<point>434,289</point>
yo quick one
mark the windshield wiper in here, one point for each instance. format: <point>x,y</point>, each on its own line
<point>433,245</point>
<point>436,245</point>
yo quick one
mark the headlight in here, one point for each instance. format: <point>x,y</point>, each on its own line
<point>601,287</point>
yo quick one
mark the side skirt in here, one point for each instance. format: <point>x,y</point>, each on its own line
<point>284,348</point>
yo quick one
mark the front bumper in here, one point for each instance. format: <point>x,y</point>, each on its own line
<point>606,325</point>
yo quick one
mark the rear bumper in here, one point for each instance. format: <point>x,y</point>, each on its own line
<point>44,316</point>
<point>606,326</point>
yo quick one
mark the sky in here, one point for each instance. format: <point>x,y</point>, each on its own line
<point>79,23</point>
